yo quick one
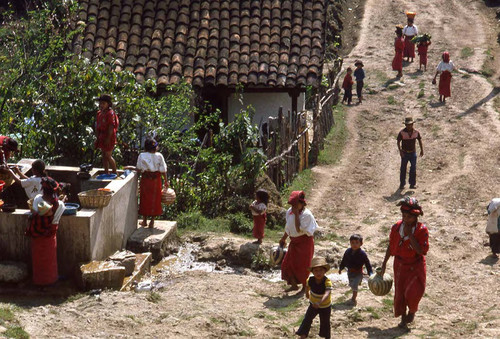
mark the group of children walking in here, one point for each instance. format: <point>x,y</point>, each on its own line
<point>318,286</point>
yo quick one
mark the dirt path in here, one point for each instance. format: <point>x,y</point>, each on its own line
<point>456,179</point>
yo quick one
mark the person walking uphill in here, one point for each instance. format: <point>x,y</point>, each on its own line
<point>406,141</point>
<point>445,67</point>
<point>399,46</point>
<point>409,31</point>
<point>106,128</point>
<point>300,227</point>
<point>408,244</point>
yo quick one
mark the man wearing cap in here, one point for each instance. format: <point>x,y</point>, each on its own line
<point>106,127</point>
<point>407,138</point>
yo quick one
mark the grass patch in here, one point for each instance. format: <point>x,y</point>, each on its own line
<point>380,76</point>
<point>368,221</point>
<point>355,316</point>
<point>196,221</point>
<point>391,100</point>
<point>75,297</point>
<point>388,304</point>
<point>373,312</point>
<point>303,181</point>
<point>487,69</point>
<point>435,130</point>
<point>335,140</point>
<point>288,308</point>
<point>16,332</point>
<point>421,85</point>
<point>153,297</point>
<point>264,315</point>
<point>6,314</point>
<point>466,52</point>
<point>299,321</point>
<point>420,94</point>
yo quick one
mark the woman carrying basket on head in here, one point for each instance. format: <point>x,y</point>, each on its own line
<point>152,166</point>
<point>410,31</point>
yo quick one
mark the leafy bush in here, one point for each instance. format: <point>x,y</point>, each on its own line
<point>239,223</point>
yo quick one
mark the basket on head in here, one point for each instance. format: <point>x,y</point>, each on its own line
<point>95,198</point>
<point>411,15</point>
<point>380,284</point>
<point>167,196</point>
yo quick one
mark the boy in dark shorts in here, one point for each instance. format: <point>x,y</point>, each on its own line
<point>354,259</point>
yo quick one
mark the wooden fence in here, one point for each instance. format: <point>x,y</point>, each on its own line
<point>286,138</point>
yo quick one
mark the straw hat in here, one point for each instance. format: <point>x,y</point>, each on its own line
<point>319,262</point>
<point>359,62</point>
<point>43,207</point>
<point>409,121</point>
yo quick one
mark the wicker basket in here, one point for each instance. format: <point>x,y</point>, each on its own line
<point>167,196</point>
<point>95,198</point>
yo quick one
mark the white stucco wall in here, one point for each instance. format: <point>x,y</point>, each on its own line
<point>265,104</point>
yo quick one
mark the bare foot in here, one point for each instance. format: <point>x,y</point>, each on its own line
<point>151,224</point>
<point>143,223</point>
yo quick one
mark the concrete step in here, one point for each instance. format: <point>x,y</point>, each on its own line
<point>142,266</point>
<point>160,240</point>
<point>100,275</point>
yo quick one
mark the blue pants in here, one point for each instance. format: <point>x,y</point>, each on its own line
<point>412,158</point>
<point>324,321</point>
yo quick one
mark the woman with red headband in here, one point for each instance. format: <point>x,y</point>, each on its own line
<point>445,67</point>
<point>44,221</point>
<point>408,243</point>
<point>300,227</point>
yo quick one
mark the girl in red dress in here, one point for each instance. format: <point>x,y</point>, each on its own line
<point>106,127</point>
<point>258,209</point>
<point>399,46</point>
<point>408,243</point>
<point>445,67</point>
<point>422,52</point>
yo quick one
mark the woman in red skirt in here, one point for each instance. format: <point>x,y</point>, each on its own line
<point>300,227</point>
<point>152,166</point>
<point>106,127</point>
<point>409,31</point>
<point>44,221</point>
<point>445,67</point>
<point>399,46</point>
<point>408,243</point>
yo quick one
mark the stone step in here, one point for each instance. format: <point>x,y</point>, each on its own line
<point>160,240</point>
<point>142,266</point>
<point>100,275</point>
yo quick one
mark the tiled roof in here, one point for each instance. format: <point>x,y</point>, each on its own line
<point>257,43</point>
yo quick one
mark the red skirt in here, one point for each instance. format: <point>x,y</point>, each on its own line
<point>397,62</point>
<point>150,195</point>
<point>445,84</point>
<point>409,51</point>
<point>409,284</point>
<point>298,259</point>
<point>44,260</point>
<point>259,222</point>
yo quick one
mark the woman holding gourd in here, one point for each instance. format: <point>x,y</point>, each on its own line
<point>408,243</point>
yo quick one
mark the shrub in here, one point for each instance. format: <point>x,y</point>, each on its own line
<point>239,223</point>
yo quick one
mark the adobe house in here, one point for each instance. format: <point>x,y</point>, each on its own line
<point>269,50</point>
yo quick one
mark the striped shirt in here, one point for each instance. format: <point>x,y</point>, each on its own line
<point>318,290</point>
<point>408,140</point>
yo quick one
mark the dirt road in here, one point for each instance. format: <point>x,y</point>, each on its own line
<point>456,179</point>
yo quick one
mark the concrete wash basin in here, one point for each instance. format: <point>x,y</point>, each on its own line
<point>91,234</point>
